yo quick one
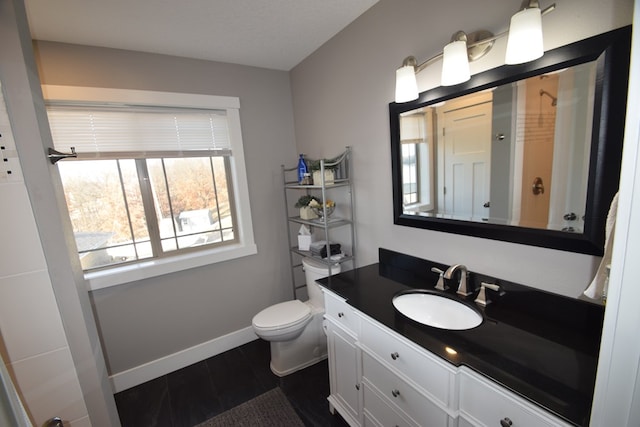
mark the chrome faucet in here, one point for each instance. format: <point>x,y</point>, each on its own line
<point>462,285</point>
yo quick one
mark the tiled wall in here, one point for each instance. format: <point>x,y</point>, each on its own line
<point>32,338</point>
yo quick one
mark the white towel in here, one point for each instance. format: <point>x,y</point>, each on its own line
<point>596,288</point>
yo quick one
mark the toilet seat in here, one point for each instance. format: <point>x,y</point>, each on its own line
<point>282,320</point>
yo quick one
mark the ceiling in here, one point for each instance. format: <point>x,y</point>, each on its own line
<point>275,34</point>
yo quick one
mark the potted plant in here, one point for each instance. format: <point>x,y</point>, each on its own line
<point>319,208</point>
<point>303,204</point>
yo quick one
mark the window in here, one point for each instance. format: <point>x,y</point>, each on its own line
<point>159,178</point>
<point>409,173</point>
<point>417,160</point>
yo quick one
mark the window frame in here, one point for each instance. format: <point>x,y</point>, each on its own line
<point>245,246</point>
<point>421,137</point>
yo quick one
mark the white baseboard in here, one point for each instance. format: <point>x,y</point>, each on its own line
<point>167,364</point>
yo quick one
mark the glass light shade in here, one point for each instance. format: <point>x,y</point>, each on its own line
<point>455,63</point>
<point>525,37</point>
<point>406,84</point>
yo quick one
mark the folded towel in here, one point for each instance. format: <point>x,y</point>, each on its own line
<point>596,289</point>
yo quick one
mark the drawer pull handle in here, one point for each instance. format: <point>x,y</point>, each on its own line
<point>395,355</point>
<point>341,314</point>
<point>506,422</point>
<point>395,393</point>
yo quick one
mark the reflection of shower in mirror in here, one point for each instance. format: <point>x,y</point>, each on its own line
<point>554,100</point>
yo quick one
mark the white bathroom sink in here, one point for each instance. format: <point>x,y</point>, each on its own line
<point>437,310</point>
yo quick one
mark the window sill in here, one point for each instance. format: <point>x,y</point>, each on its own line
<point>158,267</point>
<point>418,207</point>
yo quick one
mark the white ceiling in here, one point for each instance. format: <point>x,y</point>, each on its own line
<point>275,34</point>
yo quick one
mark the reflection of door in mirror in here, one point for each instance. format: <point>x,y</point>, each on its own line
<point>464,153</point>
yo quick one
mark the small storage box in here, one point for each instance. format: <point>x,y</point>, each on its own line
<point>304,241</point>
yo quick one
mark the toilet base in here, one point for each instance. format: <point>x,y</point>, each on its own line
<point>309,348</point>
<point>296,368</point>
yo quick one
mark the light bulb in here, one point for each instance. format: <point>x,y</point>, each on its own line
<point>406,84</point>
<point>455,63</point>
<point>525,37</point>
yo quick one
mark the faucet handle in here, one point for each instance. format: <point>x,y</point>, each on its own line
<point>440,285</point>
<point>482,299</point>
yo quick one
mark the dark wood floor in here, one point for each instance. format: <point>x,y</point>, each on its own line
<point>201,391</point>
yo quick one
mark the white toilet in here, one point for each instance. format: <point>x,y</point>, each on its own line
<point>294,328</point>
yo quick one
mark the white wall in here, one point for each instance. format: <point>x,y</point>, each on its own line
<point>617,393</point>
<point>35,344</point>
<point>341,94</point>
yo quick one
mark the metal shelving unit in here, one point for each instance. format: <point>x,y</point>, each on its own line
<point>325,226</point>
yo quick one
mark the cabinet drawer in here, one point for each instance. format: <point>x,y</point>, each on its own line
<point>434,376</point>
<point>341,313</point>
<point>484,403</point>
<point>400,394</point>
<point>378,413</point>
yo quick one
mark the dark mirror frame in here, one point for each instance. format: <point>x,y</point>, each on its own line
<point>611,50</point>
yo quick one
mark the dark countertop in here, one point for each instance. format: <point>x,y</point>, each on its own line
<point>539,345</point>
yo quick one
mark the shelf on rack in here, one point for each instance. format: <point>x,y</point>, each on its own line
<point>332,222</point>
<point>308,254</point>
<point>337,183</point>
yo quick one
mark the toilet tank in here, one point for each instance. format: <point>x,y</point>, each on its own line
<point>314,270</point>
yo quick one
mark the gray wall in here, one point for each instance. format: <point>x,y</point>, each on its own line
<point>501,154</point>
<point>143,321</point>
<point>341,94</point>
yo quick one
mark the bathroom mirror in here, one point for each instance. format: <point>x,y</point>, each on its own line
<point>525,153</point>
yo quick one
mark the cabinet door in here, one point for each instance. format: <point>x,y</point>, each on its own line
<point>344,374</point>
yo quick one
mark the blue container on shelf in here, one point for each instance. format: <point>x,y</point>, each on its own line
<point>302,169</point>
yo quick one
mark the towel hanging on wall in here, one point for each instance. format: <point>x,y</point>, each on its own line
<point>596,289</point>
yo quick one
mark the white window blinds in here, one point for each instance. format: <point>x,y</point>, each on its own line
<point>93,130</point>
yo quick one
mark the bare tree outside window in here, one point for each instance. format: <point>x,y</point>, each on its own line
<point>189,201</point>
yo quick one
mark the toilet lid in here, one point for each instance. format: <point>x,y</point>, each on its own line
<point>282,315</point>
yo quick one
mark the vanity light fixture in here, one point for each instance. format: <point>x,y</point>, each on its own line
<point>523,45</point>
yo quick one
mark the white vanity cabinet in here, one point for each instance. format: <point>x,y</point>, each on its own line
<point>373,376</point>
<point>380,378</point>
